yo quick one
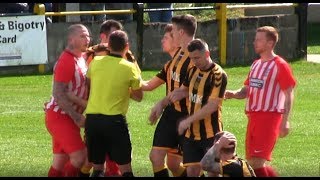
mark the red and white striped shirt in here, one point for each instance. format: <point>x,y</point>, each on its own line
<point>267,81</point>
<point>71,70</point>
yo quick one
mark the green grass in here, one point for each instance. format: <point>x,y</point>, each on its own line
<point>26,145</point>
<point>313,38</point>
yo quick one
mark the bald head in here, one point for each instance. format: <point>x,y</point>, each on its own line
<point>78,37</point>
<point>75,28</point>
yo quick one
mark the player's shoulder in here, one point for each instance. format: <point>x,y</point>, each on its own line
<point>66,56</point>
<point>280,60</point>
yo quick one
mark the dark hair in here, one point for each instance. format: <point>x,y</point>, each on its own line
<point>197,44</point>
<point>186,22</point>
<point>118,40</point>
<point>108,24</point>
<point>231,150</point>
<point>271,33</point>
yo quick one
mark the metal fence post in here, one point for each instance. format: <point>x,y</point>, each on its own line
<point>139,18</point>
<point>302,11</point>
<point>221,15</point>
<point>40,10</point>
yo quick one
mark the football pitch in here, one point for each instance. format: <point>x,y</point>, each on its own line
<point>25,144</point>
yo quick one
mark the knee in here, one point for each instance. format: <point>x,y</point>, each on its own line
<point>173,164</point>
<point>256,163</point>
<point>78,158</point>
<point>156,157</point>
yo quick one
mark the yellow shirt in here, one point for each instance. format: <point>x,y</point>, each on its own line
<point>110,79</point>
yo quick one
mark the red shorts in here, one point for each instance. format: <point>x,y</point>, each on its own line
<point>262,134</point>
<point>66,137</point>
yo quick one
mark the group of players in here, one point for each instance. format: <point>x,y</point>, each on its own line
<point>92,87</point>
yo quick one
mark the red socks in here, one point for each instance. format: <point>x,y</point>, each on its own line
<point>70,170</point>
<point>54,173</point>
<point>266,171</point>
<point>261,172</point>
<point>112,168</point>
<point>271,172</point>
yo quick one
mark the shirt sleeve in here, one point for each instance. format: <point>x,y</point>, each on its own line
<point>64,69</point>
<point>163,73</point>
<point>285,75</point>
<point>219,85</point>
<point>136,81</point>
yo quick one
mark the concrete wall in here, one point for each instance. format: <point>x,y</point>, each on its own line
<point>240,37</point>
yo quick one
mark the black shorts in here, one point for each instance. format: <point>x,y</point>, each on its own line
<point>166,133</point>
<point>108,134</point>
<point>194,150</point>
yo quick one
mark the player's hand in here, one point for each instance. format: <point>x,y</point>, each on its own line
<point>228,94</point>
<point>227,140</point>
<point>183,126</point>
<point>156,112</point>
<point>284,129</point>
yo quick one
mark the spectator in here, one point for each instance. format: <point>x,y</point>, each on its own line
<point>14,8</point>
<point>119,6</point>
<point>160,16</point>
<point>92,7</point>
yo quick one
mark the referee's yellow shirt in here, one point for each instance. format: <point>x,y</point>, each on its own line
<point>111,77</point>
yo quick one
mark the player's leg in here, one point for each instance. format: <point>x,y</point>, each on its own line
<point>164,139</point>
<point>175,165</point>
<point>59,158</point>
<point>111,167</point>
<point>157,157</point>
<point>120,148</point>
<point>56,169</point>
<point>66,139</point>
<point>95,129</point>
<point>259,147</point>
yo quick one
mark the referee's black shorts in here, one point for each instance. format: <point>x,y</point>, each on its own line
<point>166,133</point>
<point>108,134</point>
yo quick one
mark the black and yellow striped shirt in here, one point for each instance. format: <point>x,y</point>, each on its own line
<point>174,73</point>
<point>205,85</point>
<point>236,168</point>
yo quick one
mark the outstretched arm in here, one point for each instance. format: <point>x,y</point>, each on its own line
<point>152,84</point>
<point>237,94</point>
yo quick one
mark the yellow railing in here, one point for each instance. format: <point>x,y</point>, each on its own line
<point>129,11</point>
<point>221,16</point>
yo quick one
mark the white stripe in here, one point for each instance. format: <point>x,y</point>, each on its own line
<point>255,90</point>
<point>275,98</point>
<point>270,87</point>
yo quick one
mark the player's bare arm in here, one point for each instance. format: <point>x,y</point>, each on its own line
<point>60,94</point>
<point>206,110</point>
<point>210,162</point>
<point>152,84</point>
<point>285,125</point>
<point>157,110</point>
<point>237,94</point>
